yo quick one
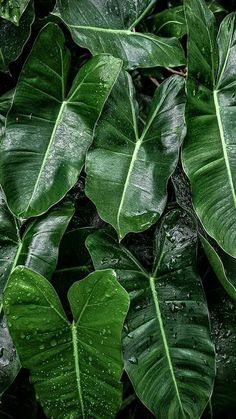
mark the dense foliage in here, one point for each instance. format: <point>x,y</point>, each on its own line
<point>117,209</point>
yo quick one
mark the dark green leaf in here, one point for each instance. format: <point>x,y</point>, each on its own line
<point>170,22</point>
<point>9,361</point>
<point>169,355</point>
<point>12,9</point>
<point>223,265</point>
<point>48,132</point>
<point>209,151</point>
<point>13,38</point>
<point>75,367</point>
<point>107,26</point>
<point>129,165</point>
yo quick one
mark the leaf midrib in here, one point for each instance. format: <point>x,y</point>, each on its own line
<point>77,367</point>
<point>163,335</point>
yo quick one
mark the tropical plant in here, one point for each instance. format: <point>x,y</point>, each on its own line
<point>117,209</point>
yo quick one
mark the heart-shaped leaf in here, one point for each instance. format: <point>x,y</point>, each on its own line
<point>109,26</point>
<point>169,355</point>
<point>209,150</point>
<point>75,367</point>
<point>124,165</point>
<point>49,131</point>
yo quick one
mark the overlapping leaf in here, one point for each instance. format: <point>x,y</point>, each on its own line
<point>13,38</point>
<point>108,26</point>
<point>13,9</point>
<point>169,355</point>
<point>75,367</point>
<point>210,150</point>
<point>48,132</point>
<point>129,165</point>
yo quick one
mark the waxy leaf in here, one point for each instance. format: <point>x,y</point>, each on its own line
<point>13,38</point>
<point>223,325</point>
<point>49,131</point>
<point>170,22</point>
<point>108,26</point>
<point>12,9</point>
<point>75,367</point>
<point>169,355</point>
<point>129,165</point>
<point>9,361</point>
<point>223,265</point>
<point>38,248</point>
<point>209,150</point>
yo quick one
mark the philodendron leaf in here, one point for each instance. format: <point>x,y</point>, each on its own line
<point>170,22</point>
<point>222,264</point>
<point>12,9</point>
<point>128,167</point>
<point>108,26</point>
<point>13,38</point>
<point>75,367</point>
<point>49,131</point>
<point>169,355</point>
<point>9,361</point>
<point>223,324</point>
<point>38,248</point>
<point>209,150</point>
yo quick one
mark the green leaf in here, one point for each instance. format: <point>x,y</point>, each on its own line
<point>38,248</point>
<point>49,131</point>
<point>9,361</point>
<point>170,22</point>
<point>223,321</point>
<point>129,165</point>
<point>209,149</point>
<point>75,367</point>
<point>107,26</point>
<point>169,355</point>
<point>13,38</point>
<point>222,264</point>
<point>12,9</point>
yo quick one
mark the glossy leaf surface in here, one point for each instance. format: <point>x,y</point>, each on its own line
<point>223,265</point>
<point>13,38</point>
<point>13,9</point>
<point>106,26</point>
<point>170,22</point>
<point>209,153</point>
<point>38,248</point>
<point>75,367</point>
<point>223,323</point>
<point>49,131</point>
<point>124,165</point>
<point>169,355</point>
<point>9,361</point>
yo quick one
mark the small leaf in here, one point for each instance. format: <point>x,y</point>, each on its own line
<point>12,9</point>
<point>107,26</point>
<point>128,168</point>
<point>75,367</point>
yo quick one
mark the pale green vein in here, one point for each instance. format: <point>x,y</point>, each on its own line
<point>222,137</point>
<point>163,335</point>
<point>77,368</point>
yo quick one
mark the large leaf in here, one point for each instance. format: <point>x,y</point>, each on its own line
<point>48,132</point>
<point>170,22</point>
<point>223,265</point>
<point>13,38</point>
<point>38,248</point>
<point>169,355</point>
<point>107,26</point>
<point>12,9</point>
<point>75,367</point>
<point>129,166</point>
<point>209,151</point>
<point>223,322</point>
